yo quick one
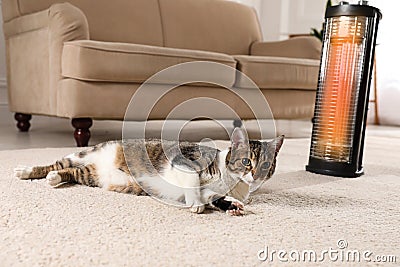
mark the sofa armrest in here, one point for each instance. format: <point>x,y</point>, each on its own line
<point>64,21</point>
<point>67,23</point>
<point>34,50</point>
<point>299,47</point>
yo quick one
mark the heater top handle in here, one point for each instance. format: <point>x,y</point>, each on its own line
<point>345,9</point>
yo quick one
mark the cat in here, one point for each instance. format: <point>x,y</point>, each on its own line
<point>178,173</point>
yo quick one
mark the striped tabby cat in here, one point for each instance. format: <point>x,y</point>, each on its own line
<point>178,173</point>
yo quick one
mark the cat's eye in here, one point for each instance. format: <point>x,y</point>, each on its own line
<point>246,162</point>
<point>265,165</point>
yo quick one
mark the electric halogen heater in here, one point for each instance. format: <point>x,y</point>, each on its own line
<point>341,106</point>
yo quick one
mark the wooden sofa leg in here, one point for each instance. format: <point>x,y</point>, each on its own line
<point>82,133</point>
<point>23,123</point>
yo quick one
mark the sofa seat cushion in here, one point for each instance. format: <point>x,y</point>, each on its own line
<point>278,72</point>
<point>88,60</point>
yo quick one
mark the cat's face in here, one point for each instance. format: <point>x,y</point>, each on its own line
<point>252,161</point>
<point>263,161</point>
<point>238,163</point>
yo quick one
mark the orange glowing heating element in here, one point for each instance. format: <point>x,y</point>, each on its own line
<point>339,82</point>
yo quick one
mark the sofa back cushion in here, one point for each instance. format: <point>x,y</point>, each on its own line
<point>212,25</point>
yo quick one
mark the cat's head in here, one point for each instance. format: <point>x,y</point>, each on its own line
<point>263,161</point>
<point>252,161</point>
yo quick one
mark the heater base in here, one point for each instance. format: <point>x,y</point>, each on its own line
<point>333,169</point>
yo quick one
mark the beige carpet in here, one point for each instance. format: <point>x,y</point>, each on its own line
<point>294,212</point>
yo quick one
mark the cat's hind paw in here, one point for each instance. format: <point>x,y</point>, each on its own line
<point>22,172</point>
<point>53,178</point>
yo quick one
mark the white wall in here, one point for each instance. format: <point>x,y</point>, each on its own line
<point>3,94</point>
<point>388,58</point>
<point>281,18</point>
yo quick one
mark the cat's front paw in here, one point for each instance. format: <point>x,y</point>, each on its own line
<point>230,205</point>
<point>197,209</point>
<point>236,209</point>
<point>22,172</point>
<point>53,178</point>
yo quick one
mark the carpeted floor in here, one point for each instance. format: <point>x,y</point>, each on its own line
<point>296,212</point>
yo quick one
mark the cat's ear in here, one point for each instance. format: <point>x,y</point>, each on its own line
<point>277,142</point>
<point>239,137</point>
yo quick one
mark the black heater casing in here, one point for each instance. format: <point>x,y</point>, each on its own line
<point>353,167</point>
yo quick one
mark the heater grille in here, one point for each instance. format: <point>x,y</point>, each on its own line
<point>339,83</point>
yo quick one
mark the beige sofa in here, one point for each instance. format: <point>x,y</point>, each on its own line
<point>84,59</point>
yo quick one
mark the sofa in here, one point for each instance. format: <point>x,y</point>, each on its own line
<point>84,60</point>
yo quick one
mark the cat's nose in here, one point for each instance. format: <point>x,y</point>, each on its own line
<point>255,177</point>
